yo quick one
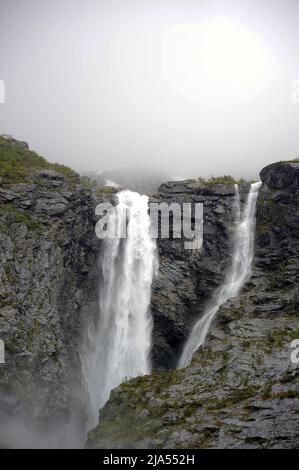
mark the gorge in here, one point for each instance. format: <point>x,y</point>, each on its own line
<point>120,339</point>
<point>76,326</point>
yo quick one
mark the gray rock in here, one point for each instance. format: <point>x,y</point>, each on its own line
<point>241,388</point>
<point>8,195</point>
<point>50,174</point>
<point>282,175</point>
<point>186,280</point>
<point>49,280</point>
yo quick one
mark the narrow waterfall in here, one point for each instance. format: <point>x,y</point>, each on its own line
<point>120,339</point>
<point>238,274</point>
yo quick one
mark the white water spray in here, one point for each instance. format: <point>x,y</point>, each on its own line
<point>120,339</point>
<point>239,273</point>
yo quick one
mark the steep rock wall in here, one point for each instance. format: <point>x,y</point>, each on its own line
<point>186,278</point>
<point>241,388</point>
<point>48,271</point>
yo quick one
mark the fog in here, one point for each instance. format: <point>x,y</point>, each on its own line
<point>94,84</point>
<point>21,433</point>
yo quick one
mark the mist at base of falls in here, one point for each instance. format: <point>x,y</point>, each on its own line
<point>238,274</point>
<point>118,341</point>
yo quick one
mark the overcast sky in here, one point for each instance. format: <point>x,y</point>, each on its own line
<point>103,84</point>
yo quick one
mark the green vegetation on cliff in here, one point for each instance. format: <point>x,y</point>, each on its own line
<point>225,179</point>
<point>17,162</point>
<point>295,160</point>
<point>89,183</point>
<point>15,215</point>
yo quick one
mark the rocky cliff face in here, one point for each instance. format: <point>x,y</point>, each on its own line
<point>187,279</point>
<point>48,253</point>
<point>241,389</point>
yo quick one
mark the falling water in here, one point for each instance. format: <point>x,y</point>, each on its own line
<point>120,341</point>
<point>238,274</point>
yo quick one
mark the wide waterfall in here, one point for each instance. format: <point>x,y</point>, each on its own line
<point>238,274</point>
<point>119,340</point>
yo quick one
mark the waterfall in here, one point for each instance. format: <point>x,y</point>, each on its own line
<point>120,339</point>
<point>238,274</point>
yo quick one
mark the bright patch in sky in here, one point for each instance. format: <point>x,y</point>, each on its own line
<point>217,62</point>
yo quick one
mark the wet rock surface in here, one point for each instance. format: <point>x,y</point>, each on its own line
<point>187,278</point>
<point>241,388</point>
<point>48,271</point>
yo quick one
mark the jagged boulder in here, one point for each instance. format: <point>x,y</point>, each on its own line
<point>281,175</point>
